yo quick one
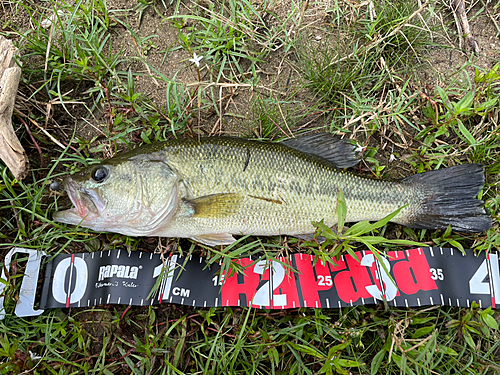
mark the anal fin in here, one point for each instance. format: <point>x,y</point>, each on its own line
<point>215,239</point>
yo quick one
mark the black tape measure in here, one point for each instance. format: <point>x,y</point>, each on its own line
<point>416,277</point>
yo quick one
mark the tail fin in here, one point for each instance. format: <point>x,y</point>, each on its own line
<point>450,199</point>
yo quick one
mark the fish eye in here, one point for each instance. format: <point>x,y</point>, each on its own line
<point>99,174</point>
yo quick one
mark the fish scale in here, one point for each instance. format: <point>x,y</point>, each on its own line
<point>305,185</point>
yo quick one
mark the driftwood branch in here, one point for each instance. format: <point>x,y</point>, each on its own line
<point>463,27</point>
<point>11,151</point>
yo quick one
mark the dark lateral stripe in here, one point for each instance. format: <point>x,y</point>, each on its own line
<point>270,200</point>
<point>247,160</point>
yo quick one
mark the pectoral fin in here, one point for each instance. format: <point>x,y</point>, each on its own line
<point>216,205</point>
<point>215,239</point>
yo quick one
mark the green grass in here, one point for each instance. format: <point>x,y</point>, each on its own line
<point>269,71</point>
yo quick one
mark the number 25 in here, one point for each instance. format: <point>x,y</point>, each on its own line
<point>325,280</point>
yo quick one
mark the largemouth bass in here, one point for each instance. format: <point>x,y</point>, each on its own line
<point>211,189</point>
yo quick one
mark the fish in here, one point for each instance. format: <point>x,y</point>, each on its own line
<point>211,189</point>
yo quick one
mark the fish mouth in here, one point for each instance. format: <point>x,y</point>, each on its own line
<point>87,204</point>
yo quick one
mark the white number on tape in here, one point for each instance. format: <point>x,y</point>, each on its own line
<point>477,284</point>
<point>390,288</point>
<point>62,292</point>
<point>437,274</point>
<point>262,297</point>
<point>325,280</point>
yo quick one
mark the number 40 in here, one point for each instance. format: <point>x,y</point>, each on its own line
<point>477,285</point>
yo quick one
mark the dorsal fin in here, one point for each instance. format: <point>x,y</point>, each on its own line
<point>330,147</point>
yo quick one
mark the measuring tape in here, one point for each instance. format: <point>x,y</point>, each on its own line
<point>417,277</point>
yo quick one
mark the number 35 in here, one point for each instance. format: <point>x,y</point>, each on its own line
<point>437,273</point>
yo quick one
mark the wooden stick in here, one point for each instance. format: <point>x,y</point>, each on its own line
<point>11,151</point>
<point>459,9</point>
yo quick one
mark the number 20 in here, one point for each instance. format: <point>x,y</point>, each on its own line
<point>437,273</point>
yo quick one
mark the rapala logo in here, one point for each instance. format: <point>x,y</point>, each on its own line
<point>125,272</point>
